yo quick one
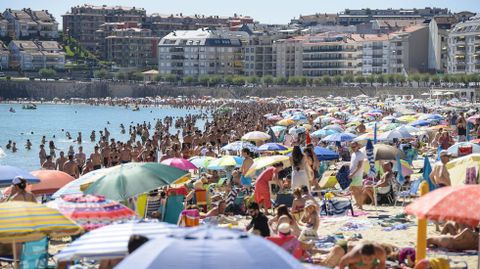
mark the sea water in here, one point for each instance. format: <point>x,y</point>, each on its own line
<point>49,120</point>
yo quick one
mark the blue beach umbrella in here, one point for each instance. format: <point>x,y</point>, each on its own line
<point>272,147</point>
<point>210,248</point>
<point>8,173</point>
<point>340,137</point>
<point>323,133</point>
<point>371,158</point>
<point>427,169</point>
<point>398,168</point>
<point>419,123</point>
<point>324,154</point>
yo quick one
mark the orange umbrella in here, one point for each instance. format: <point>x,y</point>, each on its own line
<point>50,181</point>
<point>459,204</point>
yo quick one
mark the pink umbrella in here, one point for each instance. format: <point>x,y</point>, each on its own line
<point>180,163</point>
<point>473,118</point>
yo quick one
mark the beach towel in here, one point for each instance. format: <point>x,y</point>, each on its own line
<point>342,177</point>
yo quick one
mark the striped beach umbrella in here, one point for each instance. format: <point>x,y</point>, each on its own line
<point>73,187</point>
<point>27,221</point>
<point>111,242</point>
<point>371,158</point>
<point>91,211</point>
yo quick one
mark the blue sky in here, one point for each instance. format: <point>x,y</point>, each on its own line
<point>267,11</point>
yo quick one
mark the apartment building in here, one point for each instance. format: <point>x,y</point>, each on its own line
<point>83,21</point>
<point>464,47</point>
<point>202,52</point>
<point>131,47</point>
<point>358,16</point>
<point>27,23</point>
<point>375,53</point>
<point>4,56</point>
<point>106,30</point>
<point>30,55</point>
<point>289,56</point>
<point>260,56</point>
<point>3,26</point>
<point>409,50</point>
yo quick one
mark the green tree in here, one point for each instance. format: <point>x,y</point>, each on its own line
<point>204,80</point>
<point>415,77</point>
<point>318,81</point>
<point>267,80</point>
<point>436,80</point>
<point>253,80</point>
<point>280,81</point>
<point>215,80</point>
<point>171,78</point>
<point>360,79</point>
<point>135,76</point>
<point>327,80</point>
<point>447,78</point>
<point>371,79</point>
<point>121,76</point>
<point>425,78</point>
<point>337,80</point>
<point>47,73</point>
<point>391,79</point>
<point>100,74</point>
<point>400,79</point>
<point>158,78</point>
<point>380,79</point>
<point>238,80</point>
<point>189,80</point>
<point>348,78</point>
<point>228,80</point>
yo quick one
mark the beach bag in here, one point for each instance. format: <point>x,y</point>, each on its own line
<point>189,218</point>
<point>342,177</point>
<point>308,234</point>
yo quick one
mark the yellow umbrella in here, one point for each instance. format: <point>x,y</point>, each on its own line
<point>407,118</point>
<point>263,162</point>
<point>27,221</point>
<point>458,168</point>
<point>286,122</point>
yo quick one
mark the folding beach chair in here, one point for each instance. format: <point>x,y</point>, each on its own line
<point>35,254</point>
<point>173,208</point>
<point>412,192</point>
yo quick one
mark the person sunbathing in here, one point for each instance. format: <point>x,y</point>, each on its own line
<point>364,256</point>
<point>465,240</point>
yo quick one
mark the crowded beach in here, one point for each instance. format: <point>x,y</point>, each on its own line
<point>301,182</point>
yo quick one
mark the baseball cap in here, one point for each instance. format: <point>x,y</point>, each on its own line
<point>17,180</point>
<point>284,228</point>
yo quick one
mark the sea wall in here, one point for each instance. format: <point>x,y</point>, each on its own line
<point>70,89</point>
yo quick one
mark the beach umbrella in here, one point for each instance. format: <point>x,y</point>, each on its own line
<point>225,161</point>
<point>388,127</point>
<point>8,173</point>
<point>239,145</point>
<point>297,130</point>
<point>471,119</point>
<point>274,117</point>
<point>457,168</point>
<point>384,152</point>
<point>323,133</point>
<point>444,204</point>
<point>335,127</point>
<point>436,117</point>
<point>407,118</point>
<point>180,163</point>
<point>371,159</point>
<point>50,181</point>
<point>256,136</point>
<point>455,148</point>
<point>127,180</point>
<point>277,129</point>
<point>427,169</point>
<point>213,248</point>
<point>408,129</point>
<point>91,211</point>
<point>263,162</point>
<point>364,137</point>
<point>27,221</point>
<point>298,117</point>
<point>339,137</point>
<point>272,147</point>
<point>201,161</point>
<point>286,122</point>
<point>324,154</point>
<point>420,123</point>
<point>73,187</point>
<point>111,241</point>
<point>394,134</point>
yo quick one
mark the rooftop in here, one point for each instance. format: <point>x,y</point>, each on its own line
<point>25,44</point>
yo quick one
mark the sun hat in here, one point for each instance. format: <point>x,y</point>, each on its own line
<point>17,180</point>
<point>284,228</point>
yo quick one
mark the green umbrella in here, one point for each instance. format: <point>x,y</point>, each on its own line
<point>127,180</point>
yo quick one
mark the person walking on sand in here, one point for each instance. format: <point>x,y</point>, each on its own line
<point>356,172</point>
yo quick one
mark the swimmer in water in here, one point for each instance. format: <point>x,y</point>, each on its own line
<point>28,145</point>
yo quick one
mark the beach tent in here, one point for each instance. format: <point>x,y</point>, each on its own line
<point>464,168</point>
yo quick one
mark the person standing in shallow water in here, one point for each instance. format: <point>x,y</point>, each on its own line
<point>42,155</point>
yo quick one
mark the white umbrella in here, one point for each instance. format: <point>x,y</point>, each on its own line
<point>394,134</point>
<point>256,136</point>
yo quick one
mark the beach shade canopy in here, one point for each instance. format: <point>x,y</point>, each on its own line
<point>256,136</point>
<point>201,161</point>
<point>458,168</point>
<point>389,126</point>
<point>339,137</point>
<point>455,148</point>
<point>298,117</point>
<point>225,161</point>
<point>180,163</point>
<point>323,133</point>
<point>274,117</point>
<point>297,130</point>
<point>27,221</point>
<point>111,241</point>
<point>73,187</point>
<point>50,181</point>
<point>213,248</point>
<point>458,203</point>
<point>91,211</point>
<point>334,127</point>
<point>272,147</point>
<point>263,162</point>
<point>384,152</point>
<point>131,179</point>
<point>239,145</point>
<point>324,154</point>
<point>8,173</point>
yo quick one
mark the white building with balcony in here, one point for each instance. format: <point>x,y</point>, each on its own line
<point>464,47</point>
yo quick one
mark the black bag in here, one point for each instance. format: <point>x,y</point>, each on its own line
<point>342,177</point>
